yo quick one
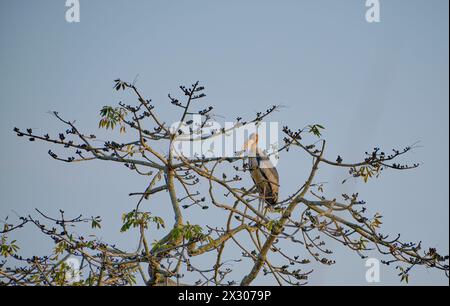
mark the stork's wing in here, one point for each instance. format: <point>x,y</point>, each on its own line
<point>268,168</point>
<point>267,178</point>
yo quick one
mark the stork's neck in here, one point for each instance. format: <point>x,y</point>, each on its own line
<point>254,148</point>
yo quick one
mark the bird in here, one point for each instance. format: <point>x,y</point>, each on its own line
<point>263,172</point>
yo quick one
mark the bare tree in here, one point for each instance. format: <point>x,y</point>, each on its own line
<point>299,220</point>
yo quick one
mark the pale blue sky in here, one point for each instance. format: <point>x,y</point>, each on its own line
<point>382,84</point>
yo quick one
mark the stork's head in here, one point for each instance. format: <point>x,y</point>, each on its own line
<point>251,143</point>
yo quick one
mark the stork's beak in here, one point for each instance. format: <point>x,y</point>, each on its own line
<point>246,145</point>
<point>245,148</point>
<point>250,142</point>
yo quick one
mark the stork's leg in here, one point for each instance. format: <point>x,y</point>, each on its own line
<point>260,202</point>
<point>263,207</point>
<point>259,208</point>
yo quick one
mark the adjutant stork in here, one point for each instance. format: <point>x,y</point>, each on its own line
<point>264,174</point>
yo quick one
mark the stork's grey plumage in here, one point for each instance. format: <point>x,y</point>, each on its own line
<point>264,174</point>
